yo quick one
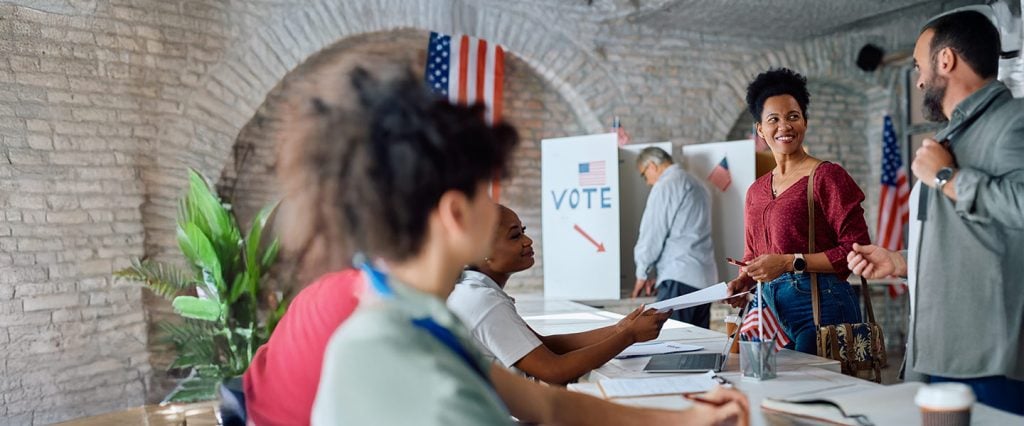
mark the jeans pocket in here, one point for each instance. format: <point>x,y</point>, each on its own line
<point>801,284</point>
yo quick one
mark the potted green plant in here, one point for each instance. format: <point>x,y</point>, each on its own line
<point>218,296</point>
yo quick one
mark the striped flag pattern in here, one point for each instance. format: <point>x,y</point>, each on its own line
<point>593,173</point>
<point>468,70</point>
<point>894,205</point>
<point>720,176</point>
<point>756,316</point>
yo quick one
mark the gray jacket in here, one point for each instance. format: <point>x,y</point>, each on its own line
<point>968,319</point>
<point>675,231</point>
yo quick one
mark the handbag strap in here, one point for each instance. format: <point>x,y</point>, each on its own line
<point>815,295</point>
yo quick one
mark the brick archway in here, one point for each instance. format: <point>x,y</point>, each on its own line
<point>203,134</point>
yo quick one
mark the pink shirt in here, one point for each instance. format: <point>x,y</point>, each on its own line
<point>281,382</point>
<point>779,225</point>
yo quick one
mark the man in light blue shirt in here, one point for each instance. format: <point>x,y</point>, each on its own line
<point>674,248</point>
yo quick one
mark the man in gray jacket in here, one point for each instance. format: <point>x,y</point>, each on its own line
<point>675,235</point>
<point>966,263</point>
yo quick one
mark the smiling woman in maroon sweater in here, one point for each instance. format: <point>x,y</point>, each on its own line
<point>777,222</point>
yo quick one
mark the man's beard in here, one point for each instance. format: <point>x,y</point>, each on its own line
<point>934,92</point>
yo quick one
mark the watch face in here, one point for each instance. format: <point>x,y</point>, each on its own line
<point>799,264</point>
<point>944,173</point>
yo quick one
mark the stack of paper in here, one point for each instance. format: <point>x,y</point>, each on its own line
<point>655,348</point>
<point>676,384</point>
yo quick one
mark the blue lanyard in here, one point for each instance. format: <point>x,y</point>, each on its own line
<point>379,280</point>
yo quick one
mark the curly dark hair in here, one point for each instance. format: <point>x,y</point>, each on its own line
<point>364,156</point>
<point>774,82</point>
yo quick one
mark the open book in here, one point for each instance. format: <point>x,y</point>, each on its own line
<point>857,404</point>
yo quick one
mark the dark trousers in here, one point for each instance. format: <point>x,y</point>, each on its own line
<point>699,316</point>
<point>995,391</point>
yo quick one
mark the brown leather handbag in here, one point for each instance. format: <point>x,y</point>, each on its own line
<point>859,347</point>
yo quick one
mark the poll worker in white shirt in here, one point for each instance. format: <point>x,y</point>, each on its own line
<point>480,301</point>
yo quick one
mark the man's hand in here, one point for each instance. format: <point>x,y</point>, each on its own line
<point>873,262</point>
<point>647,326</point>
<point>728,407</point>
<point>928,159</point>
<point>767,267</point>
<point>647,285</point>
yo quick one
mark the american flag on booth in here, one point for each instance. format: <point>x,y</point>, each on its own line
<point>468,70</point>
<point>620,132</point>
<point>592,173</point>
<point>756,316</point>
<point>894,206</point>
<point>720,176</point>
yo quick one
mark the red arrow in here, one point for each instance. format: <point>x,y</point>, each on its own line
<point>600,246</point>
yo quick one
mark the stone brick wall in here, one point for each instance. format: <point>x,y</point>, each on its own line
<point>105,103</point>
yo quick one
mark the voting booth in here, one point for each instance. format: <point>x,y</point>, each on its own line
<point>593,201</point>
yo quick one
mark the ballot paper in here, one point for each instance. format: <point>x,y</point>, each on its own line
<point>655,348</point>
<point>711,294</point>
<point>667,385</point>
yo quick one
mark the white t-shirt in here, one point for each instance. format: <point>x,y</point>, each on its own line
<point>490,315</point>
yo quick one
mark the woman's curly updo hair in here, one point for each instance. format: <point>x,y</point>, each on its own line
<point>364,155</point>
<point>775,82</point>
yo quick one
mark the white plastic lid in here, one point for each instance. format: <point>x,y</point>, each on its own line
<point>945,396</point>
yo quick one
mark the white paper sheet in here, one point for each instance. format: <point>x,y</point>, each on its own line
<point>711,294</point>
<point>675,384</point>
<point>654,348</point>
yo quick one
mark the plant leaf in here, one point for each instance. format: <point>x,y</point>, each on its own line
<point>198,386</point>
<point>194,307</point>
<point>165,280</point>
<point>270,255</point>
<point>200,252</point>
<point>207,212</point>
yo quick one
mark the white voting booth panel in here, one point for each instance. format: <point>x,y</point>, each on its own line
<point>580,214</point>
<point>591,225</point>
<point>727,206</point>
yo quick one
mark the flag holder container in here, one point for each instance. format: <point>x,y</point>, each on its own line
<point>757,356</point>
<point>757,360</point>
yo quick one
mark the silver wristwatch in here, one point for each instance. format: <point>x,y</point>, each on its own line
<point>799,264</point>
<point>942,177</point>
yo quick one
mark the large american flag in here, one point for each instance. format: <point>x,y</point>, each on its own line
<point>893,207</point>
<point>894,204</point>
<point>763,317</point>
<point>467,70</point>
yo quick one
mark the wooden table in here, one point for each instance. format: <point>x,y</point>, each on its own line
<point>195,414</point>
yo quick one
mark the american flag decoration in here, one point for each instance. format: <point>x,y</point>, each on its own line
<point>592,173</point>
<point>720,176</point>
<point>620,131</point>
<point>757,317</point>
<point>468,70</point>
<point>894,206</point>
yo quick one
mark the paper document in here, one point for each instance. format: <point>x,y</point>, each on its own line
<point>711,294</point>
<point>620,388</point>
<point>655,348</point>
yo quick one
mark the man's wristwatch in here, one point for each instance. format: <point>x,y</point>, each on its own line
<point>943,176</point>
<point>799,264</point>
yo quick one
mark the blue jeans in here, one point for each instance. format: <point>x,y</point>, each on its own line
<point>995,391</point>
<point>699,316</point>
<point>789,296</point>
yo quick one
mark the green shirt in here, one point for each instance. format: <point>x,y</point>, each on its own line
<point>380,369</point>
<point>968,319</point>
